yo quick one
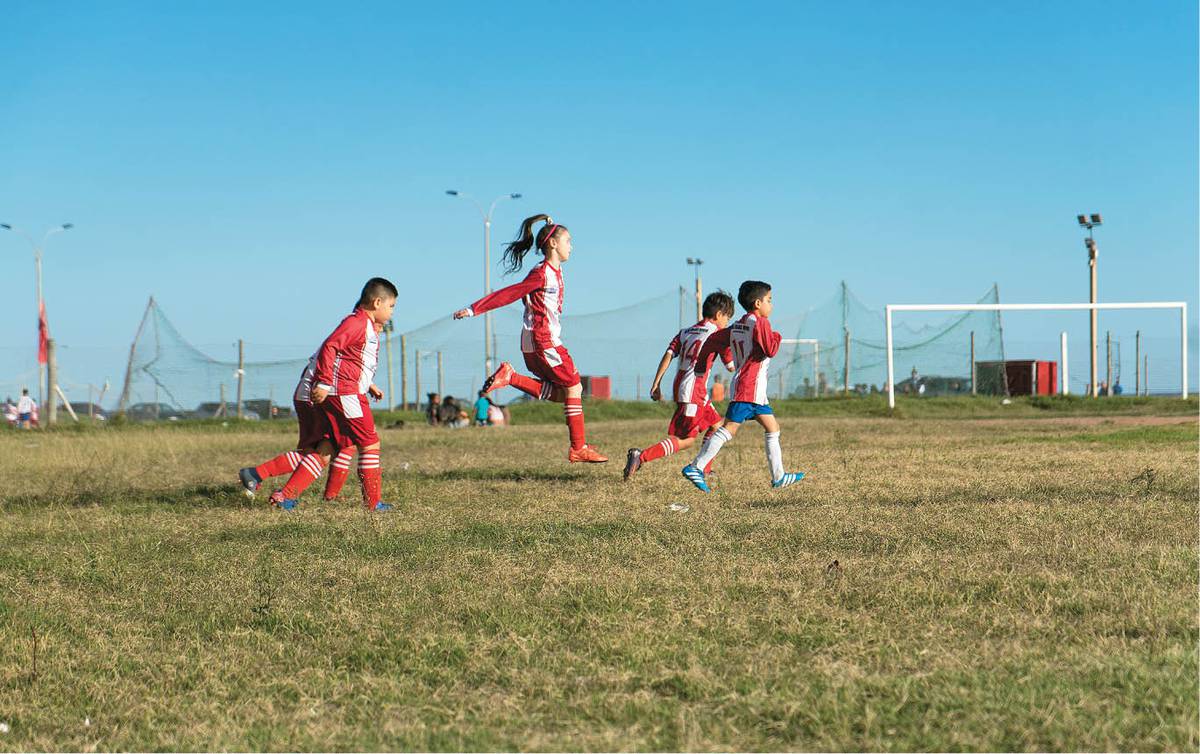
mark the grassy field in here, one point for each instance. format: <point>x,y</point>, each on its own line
<point>958,577</point>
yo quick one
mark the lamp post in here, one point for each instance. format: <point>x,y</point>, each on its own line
<point>37,264</point>
<point>699,308</point>
<point>1088,223</point>
<point>487,267</point>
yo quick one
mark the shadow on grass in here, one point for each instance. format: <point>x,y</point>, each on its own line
<point>497,475</point>
<point>195,496</point>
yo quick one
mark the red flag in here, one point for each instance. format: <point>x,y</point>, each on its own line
<point>43,333</point>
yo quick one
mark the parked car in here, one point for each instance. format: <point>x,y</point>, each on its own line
<point>211,410</point>
<point>148,412</point>
<point>85,410</point>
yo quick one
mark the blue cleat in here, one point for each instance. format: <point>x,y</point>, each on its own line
<point>788,479</point>
<point>382,507</point>
<point>696,477</point>
<point>250,480</point>
<point>282,503</point>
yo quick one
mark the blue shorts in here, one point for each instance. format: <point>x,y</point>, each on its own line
<point>741,411</point>
<point>25,417</point>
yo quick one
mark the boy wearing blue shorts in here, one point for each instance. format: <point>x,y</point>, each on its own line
<point>753,343</point>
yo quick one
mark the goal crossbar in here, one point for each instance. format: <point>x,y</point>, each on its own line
<point>891,308</point>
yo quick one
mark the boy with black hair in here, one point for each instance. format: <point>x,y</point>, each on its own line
<point>342,382</point>
<point>693,410</point>
<point>753,343</point>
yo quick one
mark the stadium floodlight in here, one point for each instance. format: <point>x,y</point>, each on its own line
<point>37,264</point>
<point>696,262</point>
<point>892,308</point>
<point>487,266</point>
<point>1089,223</point>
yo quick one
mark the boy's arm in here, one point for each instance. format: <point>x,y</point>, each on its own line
<point>672,349</point>
<point>766,338</point>
<point>663,363</point>
<point>504,296</point>
<point>339,339</point>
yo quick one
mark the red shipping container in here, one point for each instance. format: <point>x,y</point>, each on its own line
<point>599,388</point>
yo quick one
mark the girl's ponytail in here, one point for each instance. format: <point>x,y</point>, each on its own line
<point>526,240</point>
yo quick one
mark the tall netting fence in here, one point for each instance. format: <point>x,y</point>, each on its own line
<point>840,346</point>
<point>168,375</point>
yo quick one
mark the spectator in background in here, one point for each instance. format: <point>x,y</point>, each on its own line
<point>10,411</point>
<point>497,415</point>
<point>1117,389</point>
<point>718,389</point>
<point>26,407</point>
<point>433,410</point>
<point>482,406</point>
<point>448,413</point>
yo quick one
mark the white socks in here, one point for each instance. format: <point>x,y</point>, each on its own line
<point>774,456</point>
<point>711,447</point>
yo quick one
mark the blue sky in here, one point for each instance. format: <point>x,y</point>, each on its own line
<point>252,167</point>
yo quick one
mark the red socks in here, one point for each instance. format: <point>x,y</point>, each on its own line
<point>309,469</point>
<point>279,465</point>
<point>339,469</point>
<point>573,411</point>
<point>369,475</point>
<point>663,449</point>
<point>528,385</point>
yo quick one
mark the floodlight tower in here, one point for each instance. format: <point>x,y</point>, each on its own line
<point>487,267</point>
<point>699,306</point>
<point>37,266</point>
<point>1088,223</point>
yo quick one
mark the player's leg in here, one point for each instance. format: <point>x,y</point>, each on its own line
<point>734,416</point>
<point>339,470</point>
<point>370,475</point>
<point>507,376</point>
<point>309,469</point>
<point>310,424</point>
<point>779,477</point>
<point>556,369</point>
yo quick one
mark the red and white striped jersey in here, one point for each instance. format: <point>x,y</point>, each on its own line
<point>691,381</point>
<point>542,293</point>
<point>753,343</point>
<point>347,360</point>
<point>304,387</point>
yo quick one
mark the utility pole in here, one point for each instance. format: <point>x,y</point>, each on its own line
<point>44,389</point>
<point>404,372</point>
<point>387,344</point>
<point>699,291</point>
<point>846,368</point>
<point>1137,363</point>
<point>487,269</point>
<point>973,390</point>
<point>241,375</point>
<point>1089,223</point>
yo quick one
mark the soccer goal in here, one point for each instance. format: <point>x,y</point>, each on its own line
<point>798,359</point>
<point>892,309</point>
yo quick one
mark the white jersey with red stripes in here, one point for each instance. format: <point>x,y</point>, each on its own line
<point>753,343</point>
<point>691,382</point>
<point>542,293</point>
<point>304,387</point>
<point>347,360</point>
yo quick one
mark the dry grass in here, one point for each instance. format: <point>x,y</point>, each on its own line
<point>1027,585</point>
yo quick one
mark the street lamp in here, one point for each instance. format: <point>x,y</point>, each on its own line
<point>37,263</point>
<point>1088,223</point>
<point>699,308</point>
<point>487,267</point>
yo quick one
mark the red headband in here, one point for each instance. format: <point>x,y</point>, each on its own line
<point>551,233</point>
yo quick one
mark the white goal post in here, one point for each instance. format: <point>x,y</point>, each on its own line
<point>816,344</point>
<point>890,308</point>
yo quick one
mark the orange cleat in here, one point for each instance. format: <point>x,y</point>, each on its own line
<point>502,378</point>
<point>586,454</point>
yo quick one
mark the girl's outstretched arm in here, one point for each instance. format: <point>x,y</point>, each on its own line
<point>504,296</point>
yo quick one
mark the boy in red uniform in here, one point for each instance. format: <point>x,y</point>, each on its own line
<point>312,434</point>
<point>753,343</point>
<point>342,381</point>
<point>693,411</point>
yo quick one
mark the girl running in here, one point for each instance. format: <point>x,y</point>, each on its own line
<point>555,376</point>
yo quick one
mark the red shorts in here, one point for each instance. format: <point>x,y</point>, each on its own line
<point>312,425</point>
<point>691,419</point>
<point>553,365</point>
<point>348,421</point>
